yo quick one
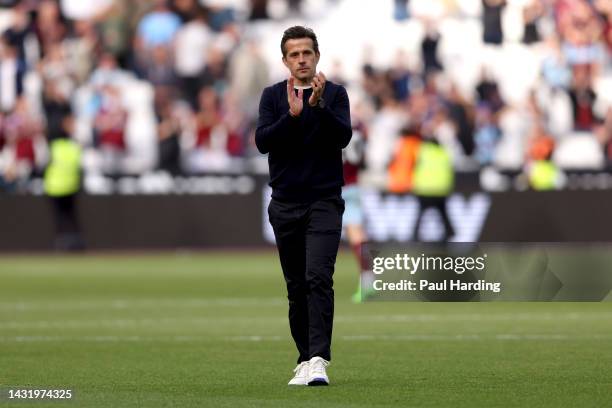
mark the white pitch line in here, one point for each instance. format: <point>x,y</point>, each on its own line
<point>217,320</point>
<point>136,304</point>
<point>146,322</point>
<point>439,337</point>
<point>354,338</point>
<point>478,317</point>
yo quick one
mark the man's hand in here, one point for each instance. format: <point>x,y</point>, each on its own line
<point>296,103</point>
<point>318,86</point>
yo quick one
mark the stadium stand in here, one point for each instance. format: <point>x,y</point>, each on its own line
<point>478,75</point>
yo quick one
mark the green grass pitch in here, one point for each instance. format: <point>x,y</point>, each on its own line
<point>210,330</point>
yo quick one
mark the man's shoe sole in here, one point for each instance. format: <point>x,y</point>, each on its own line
<point>317,382</point>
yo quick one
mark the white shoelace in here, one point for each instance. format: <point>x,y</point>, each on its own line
<point>318,366</point>
<point>301,370</point>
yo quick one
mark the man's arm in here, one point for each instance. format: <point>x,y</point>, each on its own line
<point>270,131</point>
<point>336,118</point>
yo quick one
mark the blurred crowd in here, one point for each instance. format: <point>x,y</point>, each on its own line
<point>174,85</point>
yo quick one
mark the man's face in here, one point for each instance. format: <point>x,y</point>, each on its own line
<point>301,59</point>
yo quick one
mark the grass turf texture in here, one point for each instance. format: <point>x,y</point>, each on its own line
<point>210,330</point>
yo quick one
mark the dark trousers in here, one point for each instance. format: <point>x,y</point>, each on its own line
<point>439,203</point>
<point>67,231</point>
<point>307,238</point>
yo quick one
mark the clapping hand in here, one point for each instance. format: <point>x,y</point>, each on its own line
<point>296,103</point>
<point>318,86</point>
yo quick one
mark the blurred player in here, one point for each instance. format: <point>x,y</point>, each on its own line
<point>304,123</point>
<point>352,222</point>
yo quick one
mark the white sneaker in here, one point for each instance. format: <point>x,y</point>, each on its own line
<point>317,374</point>
<point>301,374</point>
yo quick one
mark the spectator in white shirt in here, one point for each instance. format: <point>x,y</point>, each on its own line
<point>191,47</point>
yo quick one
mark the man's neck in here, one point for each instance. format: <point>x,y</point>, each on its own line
<point>303,84</point>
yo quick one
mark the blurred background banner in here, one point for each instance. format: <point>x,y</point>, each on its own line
<point>130,124</point>
<point>228,211</point>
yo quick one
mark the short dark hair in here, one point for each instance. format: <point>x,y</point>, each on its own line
<point>296,32</point>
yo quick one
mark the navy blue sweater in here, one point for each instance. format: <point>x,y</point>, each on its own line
<point>305,152</point>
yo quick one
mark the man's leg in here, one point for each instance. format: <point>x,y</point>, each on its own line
<point>322,241</point>
<point>424,203</point>
<point>289,230</point>
<point>449,231</point>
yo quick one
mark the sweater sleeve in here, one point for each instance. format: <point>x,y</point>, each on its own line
<point>270,130</point>
<point>337,118</point>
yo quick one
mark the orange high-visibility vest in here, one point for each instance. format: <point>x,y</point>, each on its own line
<point>401,170</point>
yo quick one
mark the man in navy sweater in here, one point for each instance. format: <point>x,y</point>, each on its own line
<point>304,123</point>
